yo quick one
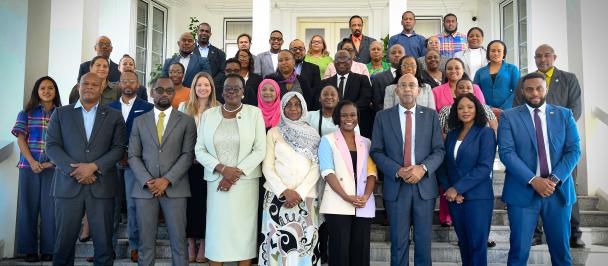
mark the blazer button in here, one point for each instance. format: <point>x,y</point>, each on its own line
<point>87,150</point>
<point>160,150</point>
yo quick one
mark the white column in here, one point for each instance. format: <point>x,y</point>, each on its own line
<point>547,23</point>
<point>395,9</point>
<point>13,36</point>
<point>260,14</point>
<point>117,20</point>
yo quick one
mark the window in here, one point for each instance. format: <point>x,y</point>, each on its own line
<point>428,26</point>
<point>233,27</point>
<point>150,39</point>
<point>513,24</point>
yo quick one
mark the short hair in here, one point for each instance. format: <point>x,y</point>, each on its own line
<point>462,80</point>
<point>408,11</point>
<point>180,65</point>
<point>97,58</point>
<point>504,50</point>
<point>276,31</point>
<point>251,61</point>
<point>287,51</point>
<point>130,71</point>
<point>235,76</point>
<point>232,60</point>
<point>475,28</point>
<point>204,23</point>
<point>345,40</point>
<point>354,17</point>
<point>335,116</point>
<point>480,119</point>
<point>449,15</point>
<point>533,75</point>
<point>34,100</point>
<point>244,35</point>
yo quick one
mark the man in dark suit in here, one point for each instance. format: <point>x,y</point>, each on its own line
<point>131,106</point>
<point>385,78</point>
<point>407,147</point>
<point>266,63</point>
<point>103,47</point>
<point>305,69</point>
<point>539,146</point>
<point>85,141</point>
<point>233,66</point>
<point>351,86</point>
<point>161,150</point>
<point>192,62</point>
<point>565,91</point>
<point>204,49</point>
<point>361,42</point>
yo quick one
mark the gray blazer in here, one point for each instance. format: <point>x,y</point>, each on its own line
<point>171,159</point>
<point>67,144</point>
<point>263,64</point>
<point>363,53</point>
<point>564,91</point>
<point>379,83</point>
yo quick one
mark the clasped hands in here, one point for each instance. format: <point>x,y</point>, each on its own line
<point>230,175</point>
<point>38,167</point>
<point>158,186</point>
<point>357,201</point>
<point>543,186</point>
<point>292,198</point>
<point>452,195</point>
<point>411,174</point>
<point>84,172</point>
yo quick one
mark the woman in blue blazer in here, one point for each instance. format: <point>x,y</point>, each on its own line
<point>498,79</point>
<point>467,173</point>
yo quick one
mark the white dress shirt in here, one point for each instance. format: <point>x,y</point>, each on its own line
<point>185,61</point>
<point>167,114</point>
<point>402,121</point>
<point>394,72</point>
<point>126,107</point>
<point>338,82</point>
<point>543,120</point>
<point>456,147</point>
<point>275,61</point>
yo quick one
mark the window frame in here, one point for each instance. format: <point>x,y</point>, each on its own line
<point>518,44</point>
<point>148,66</point>
<point>225,39</point>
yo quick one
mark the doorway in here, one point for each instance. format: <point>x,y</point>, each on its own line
<point>332,29</point>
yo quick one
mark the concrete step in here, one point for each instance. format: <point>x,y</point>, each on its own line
<point>498,233</point>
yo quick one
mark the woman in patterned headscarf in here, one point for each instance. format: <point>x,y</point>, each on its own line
<point>291,168</point>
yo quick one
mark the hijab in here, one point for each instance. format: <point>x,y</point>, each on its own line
<point>299,134</point>
<point>270,111</point>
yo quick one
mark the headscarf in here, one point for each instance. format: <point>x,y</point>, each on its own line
<point>270,111</point>
<point>299,134</point>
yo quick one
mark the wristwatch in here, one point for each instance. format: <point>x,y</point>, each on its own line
<point>424,167</point>
<point>555,179</point>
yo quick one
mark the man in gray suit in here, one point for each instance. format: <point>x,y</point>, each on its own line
<point>267,62</point>
<point>385,78</point>
<point>85,140</point>
<point>361,42</point>
<point>161,150</point>
<point>563,90</point>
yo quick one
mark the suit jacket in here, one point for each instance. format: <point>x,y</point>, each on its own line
<point>216,58</point>
<point>471,172</point>
<point>67,144</point>
<point>171,159</point>
<point>363,52</point>
<point>251,88</point>
<point>196,64</point>
<point>465,55</point>
<point>113,75</point>
<point>140,107</point>
<point>387,149</point>
<point>307,90</point>
<point>252,141</point>
<point>499,92</point>
<point>564,91</point>
<point>357,90</point>
<point>311,73</point>
<point>379,83</point>
<point>263,64</point>
<point>518,152</point>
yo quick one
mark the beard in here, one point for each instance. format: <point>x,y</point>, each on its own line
<point>533,105</point>
<point>357,33</point>
<point>163,104</point>
<point>298,61</point>
<point>451,31</point>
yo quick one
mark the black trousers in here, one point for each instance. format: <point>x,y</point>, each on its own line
<point>196,210</point>
<point>349,240</point>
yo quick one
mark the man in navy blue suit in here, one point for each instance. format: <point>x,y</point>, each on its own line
<point>540,146</point>
<point>192,62</point>
<point>407,147</point>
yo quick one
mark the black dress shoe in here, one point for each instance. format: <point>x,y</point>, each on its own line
<point>46,257</point>
<point>84,239</point>
<point>536,241</point>
<point>32,258</point>
<point>577,243</point>
<point>491,243</point>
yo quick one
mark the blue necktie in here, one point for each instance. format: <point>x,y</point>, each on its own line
<point>540,141</point>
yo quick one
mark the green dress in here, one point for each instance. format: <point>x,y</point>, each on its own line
<point>322,62</point>
<point>373,72</point>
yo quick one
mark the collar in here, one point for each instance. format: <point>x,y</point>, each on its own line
<point>167,111</point>
<point>454,34</point>
<point>130,102</point>
<point>412,34</point>
<point>542,108</point>
<point>352,37</point>
<point>79,105</point>
<point>402,109</point>
<point>549,72</point>
<point>345,76</point>
<point>188,56</point>
<point>203,47</point>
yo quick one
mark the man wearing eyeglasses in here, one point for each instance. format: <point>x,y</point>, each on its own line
<point>161,150</point>
<point>307,70</point>
<point>268,61</point>
<point>103,47</point>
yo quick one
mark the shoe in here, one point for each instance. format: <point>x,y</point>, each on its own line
<point>536,241</point>
<point>577,243</point>
<point>446,224</point>
<point>84,239</point>
<point>202,260</point>
<point>90,259</point>
<point>491,243</point>
<point>32,258</point>
<point>134,256</point>
<point>46,257</point>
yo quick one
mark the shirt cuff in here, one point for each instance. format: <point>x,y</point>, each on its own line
<point>530,181</point>
<point>326,172</point>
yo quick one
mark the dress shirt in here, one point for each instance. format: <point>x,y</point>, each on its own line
<point>451,43</point>
<point>275,60</point>
<point>543,120</point>
<point>126,107</point>
<point>185,61</point>
<point>394,72</point>
<point>88,117</point>
<point>456,146</point>
<point>204,50</point>
<point>402,121</point>
<point>298,68</point>
<point>338,82</point>
<point>548,76</point>
<point>167,115</point>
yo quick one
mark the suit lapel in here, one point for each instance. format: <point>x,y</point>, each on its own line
<point>395,123</point>
<point>343,148</point>
<point>151,125</point>
<point>420,114</point>
<point>550,118</point>
<point>471,135</point>
<point>174,118</point>
<point>361,154</point>
<point>554,79</point>
<point>524,114</point>
<point>347,87</point>
<point>192,63</point>
<point>100,116</point>
<point>79,120</point>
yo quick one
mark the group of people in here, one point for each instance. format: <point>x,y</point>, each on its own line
<point>276,156</point>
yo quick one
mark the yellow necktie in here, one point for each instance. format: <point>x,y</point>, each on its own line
<point>160,125</point>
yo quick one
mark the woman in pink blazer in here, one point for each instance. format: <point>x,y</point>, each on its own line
<point>446,92</point>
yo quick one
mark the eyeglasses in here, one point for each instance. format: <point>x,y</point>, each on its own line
<point>161,90</point>
<point>104,44</point>
<point>128,81</point>
<point>348,49</point>
<point>297,49</point>
<point>408,65</point>
<point>228,89</point>
<point>277,39</point>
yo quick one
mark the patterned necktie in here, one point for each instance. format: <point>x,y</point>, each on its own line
<point>540,141</point>
<point>407,142</point>
<point>160,126</point>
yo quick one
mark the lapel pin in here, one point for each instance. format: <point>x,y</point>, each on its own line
<point>551,113</point>
<point>557,80</point>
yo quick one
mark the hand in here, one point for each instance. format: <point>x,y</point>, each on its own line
<point>36,167</point>
<point>361,201</point>
<point>124,161</point>
<point>459,199</point>
<point>224,185</point>
<point>414,173</point>
<point>292,198</point>
<point>353,200</point>
<point>87,180</point>
<point>451,194</point>
<point>232,173</point>
<point>83,169</point>
<point>543,186</point>
<point>158,186</point>
<point>47,165</point>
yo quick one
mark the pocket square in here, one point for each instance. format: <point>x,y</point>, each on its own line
<point>138,111</point>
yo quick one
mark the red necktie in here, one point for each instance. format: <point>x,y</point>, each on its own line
<point>407,142</point>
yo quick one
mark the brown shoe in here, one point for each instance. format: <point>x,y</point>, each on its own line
<point>134,256</point>
<point>90,259</point>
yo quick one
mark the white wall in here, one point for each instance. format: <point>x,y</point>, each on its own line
<point>37,59</point>
<point>13,34</point>
<point>547,24</point>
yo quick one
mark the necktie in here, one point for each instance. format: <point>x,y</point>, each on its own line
<point>160,126</point>
<point>407,142</point>
<point>540,141</point>
<point>341,87</point>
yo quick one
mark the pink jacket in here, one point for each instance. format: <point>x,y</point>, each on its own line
<point>443,95</point>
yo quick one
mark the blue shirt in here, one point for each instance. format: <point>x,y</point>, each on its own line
<point>414,45</point>
<point>88,117</point>
<point>204,50</point>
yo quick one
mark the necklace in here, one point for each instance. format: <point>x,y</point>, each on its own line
<point>231,111</point>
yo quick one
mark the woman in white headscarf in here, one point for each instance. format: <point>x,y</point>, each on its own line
<point>291,167</point>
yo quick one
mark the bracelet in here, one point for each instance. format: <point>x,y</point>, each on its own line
<point>223,168</point>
